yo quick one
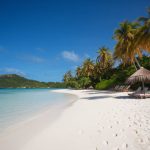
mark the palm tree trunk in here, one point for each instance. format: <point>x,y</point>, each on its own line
<point>135,66</point>
<point>137,63</point>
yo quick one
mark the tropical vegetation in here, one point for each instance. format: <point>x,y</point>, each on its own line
<point>132,50</point>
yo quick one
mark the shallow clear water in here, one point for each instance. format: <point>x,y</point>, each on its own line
<point>18,104</point>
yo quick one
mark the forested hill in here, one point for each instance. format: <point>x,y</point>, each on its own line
<point>16,81</point>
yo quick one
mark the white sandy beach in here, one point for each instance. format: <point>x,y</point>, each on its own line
<point>98,120</point>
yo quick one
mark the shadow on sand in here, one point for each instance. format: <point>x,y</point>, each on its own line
<point>125,97</point>
<point>104,95</point>
<point>98,92</point>
<point>107,96</point>
<point>97,97</point>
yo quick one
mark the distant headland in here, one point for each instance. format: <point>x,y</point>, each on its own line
<point>17,81</point>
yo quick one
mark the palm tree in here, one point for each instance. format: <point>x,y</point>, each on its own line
<point>104,58</point>
<point>79,72</point>
<point>67,76</point>
<point>104,62</point>
<point>88,67</point>
<point>125,49</point>
<point>143,34</point>
<point>145,19</point>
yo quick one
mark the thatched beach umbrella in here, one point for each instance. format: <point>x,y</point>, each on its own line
<point>141,75</point>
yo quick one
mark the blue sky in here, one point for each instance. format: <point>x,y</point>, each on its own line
<point>42,39</point>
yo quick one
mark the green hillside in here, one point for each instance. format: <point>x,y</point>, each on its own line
<point>16,81</point>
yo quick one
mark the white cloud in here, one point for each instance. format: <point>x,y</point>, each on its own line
<point>34,59</point>
<point>70,55</point>
<point>12,71</point>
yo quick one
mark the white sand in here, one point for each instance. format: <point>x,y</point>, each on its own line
<point>99,120</point>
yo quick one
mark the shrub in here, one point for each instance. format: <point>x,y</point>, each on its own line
<point>105,84</point>
<point>73,84</point>
<point>84,82</point>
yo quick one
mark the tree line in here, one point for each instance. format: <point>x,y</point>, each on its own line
<point>131,51</point>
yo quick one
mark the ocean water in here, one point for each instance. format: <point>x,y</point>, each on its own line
<point>17,105</point>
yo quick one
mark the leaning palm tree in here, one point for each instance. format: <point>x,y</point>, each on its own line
<point>125,48</point>
<point>143,34</point>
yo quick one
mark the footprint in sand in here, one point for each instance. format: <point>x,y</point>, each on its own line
<point>117,122</point>
<point>115,135</point>
<point>122,130</point>
<point>125,146</point>
<point>105,142</point>
<point>147,122</point>
<point>136,131</point>
<point>134,123</point>
<point>99,131</point>
<point>141,140</point>
<point>80,132</point>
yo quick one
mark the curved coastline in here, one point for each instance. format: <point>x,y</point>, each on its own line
<point>97,120</point>
<point>16,135</point>
<point>67,91</point>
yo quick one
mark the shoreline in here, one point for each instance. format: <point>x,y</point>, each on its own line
<point>98,120</point>
<point>19,133</point>
<point>44,110</point>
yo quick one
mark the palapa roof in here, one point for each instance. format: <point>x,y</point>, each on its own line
<point>140,75</point>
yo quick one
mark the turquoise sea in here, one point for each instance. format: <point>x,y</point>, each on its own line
<point>17,105</point>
